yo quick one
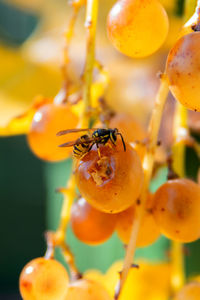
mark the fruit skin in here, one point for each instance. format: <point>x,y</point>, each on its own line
<point>131,130</point>
<point>176,209</point>
<point>129,127</point>
<point>47,121</point>
<point>43,279</point>
<point>148,232</point>
<point>152,279</point>
<point>137,28</point>
<point>86,289</point>
<point>112,183</point>
<point>182,69</point>
<point>89,224</point>
<point>190,291</point>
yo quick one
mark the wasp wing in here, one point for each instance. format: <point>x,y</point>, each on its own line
<point>62,132</point>
<point>77,142</point>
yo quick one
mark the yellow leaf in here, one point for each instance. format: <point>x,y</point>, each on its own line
<point>21,124</point>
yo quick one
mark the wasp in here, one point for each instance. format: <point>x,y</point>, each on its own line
<point>99,136</point>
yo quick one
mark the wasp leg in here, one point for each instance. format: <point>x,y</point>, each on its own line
<point>99,153</point>
<point>109,145</point>
<point>124,145</point>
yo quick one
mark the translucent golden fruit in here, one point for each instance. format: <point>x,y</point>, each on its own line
<point>182,69</point>
<point>190,291</point>
<point>152,279</point>
<point>47,121</point>
<point>112,181</point>
<point>137,28</point>
<point>176,210</point>
<point>132,131</point>
<point>90,225</point>
<point>43,279</point>
<point>86,289</point>
<point>148,232</point>
<point>96,276</point>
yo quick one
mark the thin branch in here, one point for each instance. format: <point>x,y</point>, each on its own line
<point>148,164</point>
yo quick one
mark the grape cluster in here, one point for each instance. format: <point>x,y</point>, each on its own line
<point>43,279</point>
<point>110,175</point>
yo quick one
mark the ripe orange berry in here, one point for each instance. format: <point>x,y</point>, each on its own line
<point>43,279</point>
<point>137,28</point>
<point>129,127</point>
<point>47,121</point>
<point>86,289</point>
<point>182,69</point>
<point>131,130</point>
<point>176,210</point>
<point>148,232</point>
<point>90,225</point>
<point>151,281</point>
<point>112,182</point>
<point>190,291</point>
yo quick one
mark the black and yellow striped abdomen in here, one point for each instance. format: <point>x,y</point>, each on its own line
<point>81,147</point>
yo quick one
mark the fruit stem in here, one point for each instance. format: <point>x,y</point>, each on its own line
<point>90,24</point>
<point>69,195</point>
<point>180,131</point>
<point>68,37</point>
<point>148,163</point>
<point>57,239</point>
<point>177,265</point>
<point>69,192</point>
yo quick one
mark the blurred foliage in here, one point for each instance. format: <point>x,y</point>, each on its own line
<point>22,213</point>
<point>16,25</point>
<point>179,9</point>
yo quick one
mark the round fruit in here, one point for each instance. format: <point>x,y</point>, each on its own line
<point>90,225</point>
<point>148,232</point>
<point>112,181</point>
<point>85,289</point>
<point>43,279</point>
<point>129,127</point>
<point>47,121</point>
<point>190,291</point>
<point>132,131</point>
<point>137,28</point>
<point>182,69</point>
<point>176,210</point>
<point>152,279</point>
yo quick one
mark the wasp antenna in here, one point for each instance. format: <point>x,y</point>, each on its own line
<point>122,140</point>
